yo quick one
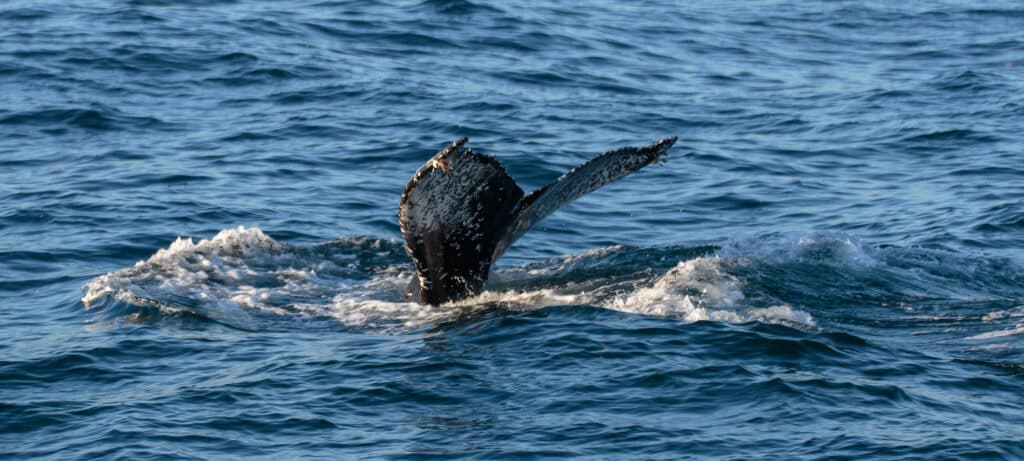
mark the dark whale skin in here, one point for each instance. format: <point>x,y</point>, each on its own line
<point>461,211</point>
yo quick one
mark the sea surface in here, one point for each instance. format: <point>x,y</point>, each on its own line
<point>200,255</point>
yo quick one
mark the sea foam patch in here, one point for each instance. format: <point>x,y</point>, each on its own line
<point>703,289</point>
<point>241,273</point>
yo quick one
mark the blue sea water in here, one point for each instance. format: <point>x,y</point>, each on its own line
<point>200,256</point>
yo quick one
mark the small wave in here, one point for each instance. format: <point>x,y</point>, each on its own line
<point>826,248</point>
<point>24,14</point>
<point>1001,13</point>
<point>969,82</point>
<point>96,119</point>
<point>318,95</point>
<point>1019,329</point>
<point>731,202</point>
<point>955,135</point>
<point>181,3</point>
<point>828,260</point>
<point>1006,218</point>
<point>257,76</point>
<point>1003,314</point>
<point>458,7</point>
<point>702,289</point>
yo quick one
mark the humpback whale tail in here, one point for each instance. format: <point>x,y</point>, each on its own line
<point>462,210</point>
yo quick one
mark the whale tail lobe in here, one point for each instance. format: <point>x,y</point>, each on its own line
<point>461,211</point>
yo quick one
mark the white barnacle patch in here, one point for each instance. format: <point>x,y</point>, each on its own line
<point>442,163</point>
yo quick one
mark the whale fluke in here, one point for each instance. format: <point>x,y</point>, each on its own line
<point>461,211</point>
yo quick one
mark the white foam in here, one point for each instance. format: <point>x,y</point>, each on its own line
<point>224,278</point>
<point>699,289</point>
<point>1019,329</point>
<point>997,315</point>
<point>525,300</point>
<point>242,272</point>
<point>188,264</point>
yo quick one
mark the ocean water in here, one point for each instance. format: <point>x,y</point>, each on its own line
<point>200,255</point>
